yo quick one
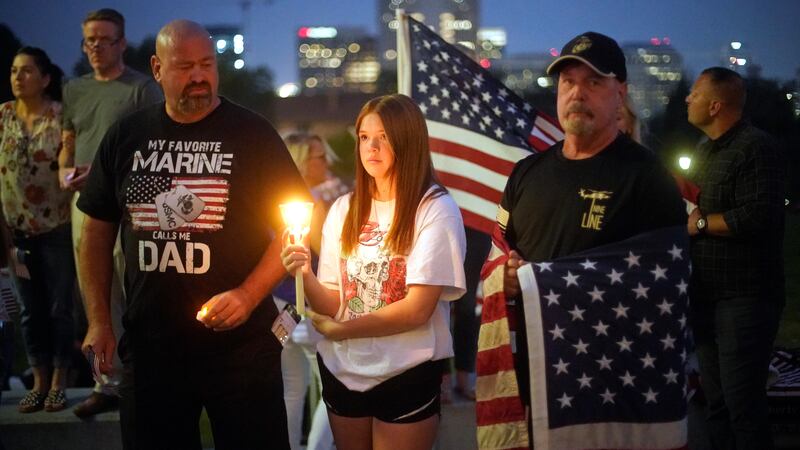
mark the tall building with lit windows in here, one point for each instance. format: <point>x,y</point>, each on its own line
<point>229,40</point>
<point>491,43</point>
<point>456,21</point>
<point>795,94</point>
<point>523,73</point>
<point>654,70</point>
<point>342,58</point>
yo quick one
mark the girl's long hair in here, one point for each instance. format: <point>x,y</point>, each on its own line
<point>412,173</point>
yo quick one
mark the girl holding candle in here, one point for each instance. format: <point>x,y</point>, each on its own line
<point>391,258</point>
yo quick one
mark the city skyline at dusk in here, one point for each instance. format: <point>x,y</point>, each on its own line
<point>697,30</point>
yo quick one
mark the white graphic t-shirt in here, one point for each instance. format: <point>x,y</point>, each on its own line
<point>372,278</point>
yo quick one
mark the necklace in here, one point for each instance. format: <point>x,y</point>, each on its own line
<point>382,226</point>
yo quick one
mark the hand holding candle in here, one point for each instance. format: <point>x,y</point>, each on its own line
<point>297,217</point>
<point>227,310</point>
<point>202,313</point>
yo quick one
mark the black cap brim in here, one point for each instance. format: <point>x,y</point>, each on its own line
<point>553,67</point>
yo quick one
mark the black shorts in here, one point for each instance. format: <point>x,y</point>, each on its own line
<point>410,397</point>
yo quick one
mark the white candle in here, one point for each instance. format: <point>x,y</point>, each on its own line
<point>300,297</point>
<point>297,216</point>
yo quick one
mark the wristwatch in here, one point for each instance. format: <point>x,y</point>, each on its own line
<point>701,225</point>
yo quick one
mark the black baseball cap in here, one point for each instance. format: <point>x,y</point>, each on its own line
<point>597,51</point>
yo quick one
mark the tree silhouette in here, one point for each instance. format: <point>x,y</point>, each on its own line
<point>251,88</point>
<point>136,57</point>
<point>670,133</point>
<point>9,44</point>
<point>767,108</point>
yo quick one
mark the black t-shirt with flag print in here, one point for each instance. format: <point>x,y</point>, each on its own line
<point>197,206</point>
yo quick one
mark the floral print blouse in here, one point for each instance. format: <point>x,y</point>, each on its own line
<point>32,201</point>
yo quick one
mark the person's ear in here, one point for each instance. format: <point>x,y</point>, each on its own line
<point>714,107</point>
<point>155,66</point>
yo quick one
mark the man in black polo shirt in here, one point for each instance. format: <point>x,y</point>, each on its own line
<point>737,286</point>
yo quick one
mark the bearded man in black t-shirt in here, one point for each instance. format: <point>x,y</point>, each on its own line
<point>193,184</point>
<point>596,187</point>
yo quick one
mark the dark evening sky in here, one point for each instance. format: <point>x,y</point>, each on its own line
<point>697,29</point>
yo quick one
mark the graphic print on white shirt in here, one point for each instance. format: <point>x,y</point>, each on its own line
<point>372,278</point>
<point>435,258</point>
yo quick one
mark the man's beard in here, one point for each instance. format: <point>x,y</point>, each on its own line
<point>191,104</point>
<point>581,125</point>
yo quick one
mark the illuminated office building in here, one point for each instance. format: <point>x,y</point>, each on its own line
<point>654,70</point>
<point>229,40</point>
<point>491,43</point>
<point>456,21</point>
<point>523,72</point>
<point>341,58</point>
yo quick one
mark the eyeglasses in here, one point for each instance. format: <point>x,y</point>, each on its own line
<point>98,44</point>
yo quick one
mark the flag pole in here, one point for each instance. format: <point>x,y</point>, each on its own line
<point>403,53</point>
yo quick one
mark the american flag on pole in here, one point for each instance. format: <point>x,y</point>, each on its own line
<point>606,337</point>
<point>142,192</point>
<point>477,127</point>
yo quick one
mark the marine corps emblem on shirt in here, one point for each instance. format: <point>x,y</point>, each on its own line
<point>582,45</point>
<point>593,219</point>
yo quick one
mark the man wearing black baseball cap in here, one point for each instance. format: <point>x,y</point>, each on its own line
<point>594,188</point>
<point>598,51</point>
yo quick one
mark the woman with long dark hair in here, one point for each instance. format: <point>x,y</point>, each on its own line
<point>392,257</point>
<point>36,213</point>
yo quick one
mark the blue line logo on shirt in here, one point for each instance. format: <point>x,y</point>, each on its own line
<point>593,219</point>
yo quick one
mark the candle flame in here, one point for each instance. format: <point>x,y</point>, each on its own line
<point>297,217</point>
<point>202,313</point>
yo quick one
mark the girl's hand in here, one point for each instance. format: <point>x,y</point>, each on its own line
<point>328,327</point>
<point>294,257</point>
<point>294,254</point>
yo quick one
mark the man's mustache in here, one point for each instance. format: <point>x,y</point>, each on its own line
<point>204,85</point>
<point>579,108</point>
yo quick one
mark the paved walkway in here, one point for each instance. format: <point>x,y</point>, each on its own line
<point>64,431</point>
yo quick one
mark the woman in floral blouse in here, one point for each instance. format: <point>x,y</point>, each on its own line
<point>36,220</point>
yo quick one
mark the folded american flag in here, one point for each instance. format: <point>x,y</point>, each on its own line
<point>786,366</point>
<point>8,301</point>
<point>607,348</point>
<point>499,411</point>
